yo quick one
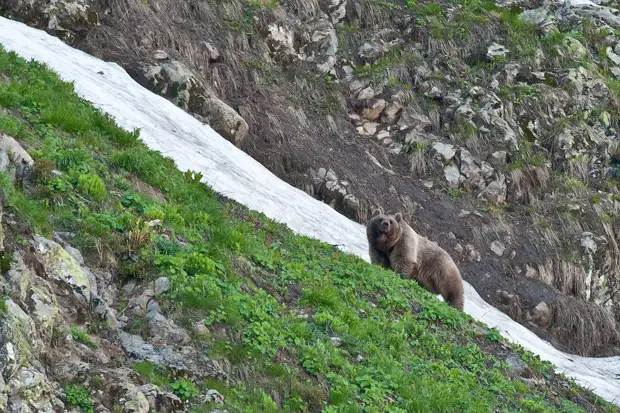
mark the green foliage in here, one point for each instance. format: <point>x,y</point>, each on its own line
<point>78,396</point>
<point>330,332</point>
<point>92,186</point>
<point>82,336</point>
<point>185,389</point>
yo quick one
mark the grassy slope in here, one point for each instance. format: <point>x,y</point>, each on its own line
<point>400,348</point>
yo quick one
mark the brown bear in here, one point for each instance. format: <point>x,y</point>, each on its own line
<point>393,244</point>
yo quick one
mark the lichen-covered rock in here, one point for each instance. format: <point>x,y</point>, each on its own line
<point>131,399</point>
<point>18,278</point>
<point>18,340</point>
<point>62,266</point>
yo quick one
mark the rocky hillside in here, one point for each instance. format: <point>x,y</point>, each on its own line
<point>492,125</point>
<point>128,286</point>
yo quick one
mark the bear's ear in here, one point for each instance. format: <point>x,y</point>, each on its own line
<point>398,217</point>
<point>376,212</point>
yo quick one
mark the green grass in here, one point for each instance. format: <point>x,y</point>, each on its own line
<point>369,341</point>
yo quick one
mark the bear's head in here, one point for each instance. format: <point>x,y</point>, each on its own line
<point>383,231</point>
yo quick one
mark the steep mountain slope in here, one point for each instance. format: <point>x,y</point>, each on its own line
<point>131,287</point>
<point>493,125</point>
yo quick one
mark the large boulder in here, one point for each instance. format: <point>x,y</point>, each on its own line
<point>176,81</point>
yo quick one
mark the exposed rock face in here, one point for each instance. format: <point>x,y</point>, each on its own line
<point>51,292</point>
<point>65,18</point>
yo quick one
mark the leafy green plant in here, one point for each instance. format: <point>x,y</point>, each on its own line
<point>78,396</point>
<point>185,389</point>
<point>92,186</point>
<point>82,336</point>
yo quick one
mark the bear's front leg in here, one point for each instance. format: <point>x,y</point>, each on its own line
<point>408,268</point>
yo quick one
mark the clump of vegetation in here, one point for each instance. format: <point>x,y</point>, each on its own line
<point>82,336</point>
<point>324,330</point>
<point>185,389</point>
<point>79,396</point>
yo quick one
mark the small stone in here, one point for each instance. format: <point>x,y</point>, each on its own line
<point>391,112</point>
<point>445,151</point>
<point>451,235</point>
<point>212,51</point>
<point>498,248</point>
<point>428,184</point>
<point>336,341</point>
<point>365,94</point>
<point>498,159</point>
<point>162,285</point>
<point>496,50</point>
<point>374,111</point>
<point>513,254</point>
<point>458,248</point>
<point>453,176</point>
<point>542,315</point>
<point>435,93</point>
<point>476,91</point>
<point>487,170</point>
<point>160,55</point>
<point>368,128</point>
<point>213,396</point>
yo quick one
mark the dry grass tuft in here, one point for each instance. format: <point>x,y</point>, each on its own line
<point>586,327</point>
<point>528,180</point>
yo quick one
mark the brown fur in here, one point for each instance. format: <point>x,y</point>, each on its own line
<point>393,244</point>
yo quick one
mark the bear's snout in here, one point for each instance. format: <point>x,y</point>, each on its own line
<point>385,225</point>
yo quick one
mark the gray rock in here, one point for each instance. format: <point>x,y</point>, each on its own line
<point>445,151</point>
<point>212,52</point>
<point>186,359</point>
<point>225,120</point>
<point>495,192</point>
<point>16,162</point>
<point>365,94</point>
<point>498,248</point>
<point>410,119</point>
<point>541,315</point>
<point>162,285</point>
<point>177,82</point>
<point>498,159</point>
<point>164,331</point>
<point>160,55</point>
<point>62,266</point>
<point>60,16</point>
<point>19,278</point>
<point>75,253</point>
<point>17,340</point>
<point>161,400</point>
<point>496,50</point>
<point>468,164</point>
<point>453,176</point>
